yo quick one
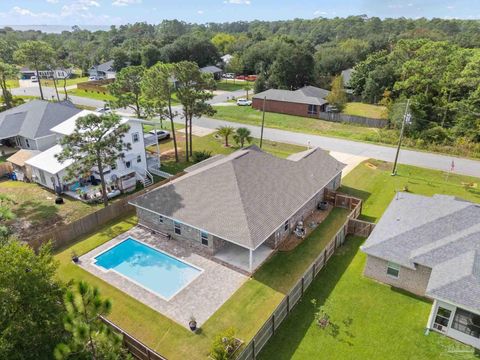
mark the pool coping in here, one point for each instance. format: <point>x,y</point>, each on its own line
<point>102,269</point>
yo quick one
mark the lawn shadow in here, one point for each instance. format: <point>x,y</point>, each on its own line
<point>36,211</point>
<point>410,295</point>
<point>303,313</point>
<point>364,195</point>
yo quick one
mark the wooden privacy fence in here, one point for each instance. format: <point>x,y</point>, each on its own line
<point>339,117</point>
<point>351,226</point>
<point>69,233</point>
<point>139,350</point>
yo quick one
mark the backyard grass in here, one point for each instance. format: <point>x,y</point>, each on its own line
<point>36,210</point>
<point>372,181</point>
<point>371,320</point>
<point>250,116</point>
<point>12,83</point>
<point>91,95</point>
<point>365,110</point>
<point>246,310</point>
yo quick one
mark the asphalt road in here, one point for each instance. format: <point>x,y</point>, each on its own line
<point>386,153</point>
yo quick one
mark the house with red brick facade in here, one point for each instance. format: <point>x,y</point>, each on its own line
<point>307,101</point>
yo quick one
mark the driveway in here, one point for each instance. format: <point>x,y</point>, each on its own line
<point>360,149</point>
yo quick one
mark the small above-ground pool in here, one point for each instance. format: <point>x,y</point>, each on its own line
<point>152,269</point>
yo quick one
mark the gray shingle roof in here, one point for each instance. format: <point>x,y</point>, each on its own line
<point>440,232</point>
<point>34,119</point>
<point>211,69</point>
<point>243,197</point>
<point>307,95</point>
<point>105,67</point>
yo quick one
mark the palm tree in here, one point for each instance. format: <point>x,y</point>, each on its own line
<point>242,135</point>
<point>247,87</point>
<point>225,132</point>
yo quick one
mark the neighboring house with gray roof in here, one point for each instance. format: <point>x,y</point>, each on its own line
<point>103,71</point>
<point>28,125</point>
<point>214,70</point>
<point>306,101</point>
<point>430,246</point>
<point>247,201</point>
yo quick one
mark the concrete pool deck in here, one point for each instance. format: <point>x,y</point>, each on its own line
<point>200,298</point>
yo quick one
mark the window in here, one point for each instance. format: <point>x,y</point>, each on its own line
<point>204,237</point>
<point>312,110</point>
<point>160,219</point>
<point>442,319</point>
<point>114,166</point>
<point>467,323</point>
<point>27,143</point>
<point>285,226</point>
<point>393,270</point>
<point>128,164</point>
<point>178,229</point>
<point>42,177</point>
<point>139,158</point>
<point>135,137</point>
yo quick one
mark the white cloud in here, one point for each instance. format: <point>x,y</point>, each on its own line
<point>319,13</point>
<point>52,1</point>
<point>78,7</point>
<point>238,2</point>
<point>200,12</point>
<point>16,10</point>
<point>125,2</point>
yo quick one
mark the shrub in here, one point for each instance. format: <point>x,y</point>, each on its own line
<point>224,345</point>
<point>199,156</point>
<point>436,135</point>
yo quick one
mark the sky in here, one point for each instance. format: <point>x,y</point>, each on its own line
<point>115,12</point>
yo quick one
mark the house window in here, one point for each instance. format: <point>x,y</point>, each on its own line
<point>114,166</point>
<point>128,164</point>
<point>204,237</point>
<point>312,109</point>
<point>393,270</point>
<point>442,319</point>
<point>466,322</point>
<point>160,219</point>
<point>135,137</point>
<point>285,226</point>
<point>139,158</point>
<point>42,177</point>
<point>178,229</point>
<point>27,143</point>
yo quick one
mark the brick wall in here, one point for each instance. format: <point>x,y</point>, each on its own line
<point>282,107</point>
<point>414,281</point>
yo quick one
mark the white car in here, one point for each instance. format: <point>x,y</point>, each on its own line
<point>34,79</point>
<point>161,134</point>
<point>244,102</point>
<point>104,110</point>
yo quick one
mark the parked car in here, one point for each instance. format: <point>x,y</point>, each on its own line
<point>244,102</point>
<point>161,134</point>
<point>34,79</point>
<point>229,76</point>
<point>251,78</point>
<point>240,77</point>
<point>332,109</point>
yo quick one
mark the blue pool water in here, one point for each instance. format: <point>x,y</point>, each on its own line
<point>153,269</point>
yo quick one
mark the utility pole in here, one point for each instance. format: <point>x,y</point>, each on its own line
<point>406,117</point>
<point>263,121</point>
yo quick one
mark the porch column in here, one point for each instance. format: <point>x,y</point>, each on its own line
<point>158,147</point>
<point>250,260</point>
<point>431,317</point>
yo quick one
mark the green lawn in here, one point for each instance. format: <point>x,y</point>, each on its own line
<point>36,209</point>
<point>71,81</point>
<point>246,310</point>
<point>229,85</point>
<point>91,95</point>
<point>247,115</point>
<point>370,320</point>
<point>374,321</point>
<point>12,83</point>
<point>366,110</point>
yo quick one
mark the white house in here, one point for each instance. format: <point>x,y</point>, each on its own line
<point>47,74</point>
<point>49,172</point>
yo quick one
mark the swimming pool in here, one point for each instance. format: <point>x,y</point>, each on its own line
<point>150,268</point>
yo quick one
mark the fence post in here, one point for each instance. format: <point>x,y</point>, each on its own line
<point>313,270</point>
<point>253,349</point>
<point>273,324</point>
<point>302,284</point>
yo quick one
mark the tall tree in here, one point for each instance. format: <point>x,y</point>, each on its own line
<point>97,141</point>
<point>90,337</point>
<point>7,71</point>
<point>37,55</point>
<point>158,87</point>
<point>127,88</point>
<point>30,303</point>
<point>193,93</point>
<point>337,96</point>
<point>6,214</point>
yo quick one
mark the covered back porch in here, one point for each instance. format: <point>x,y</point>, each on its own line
<point>242,258</point>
